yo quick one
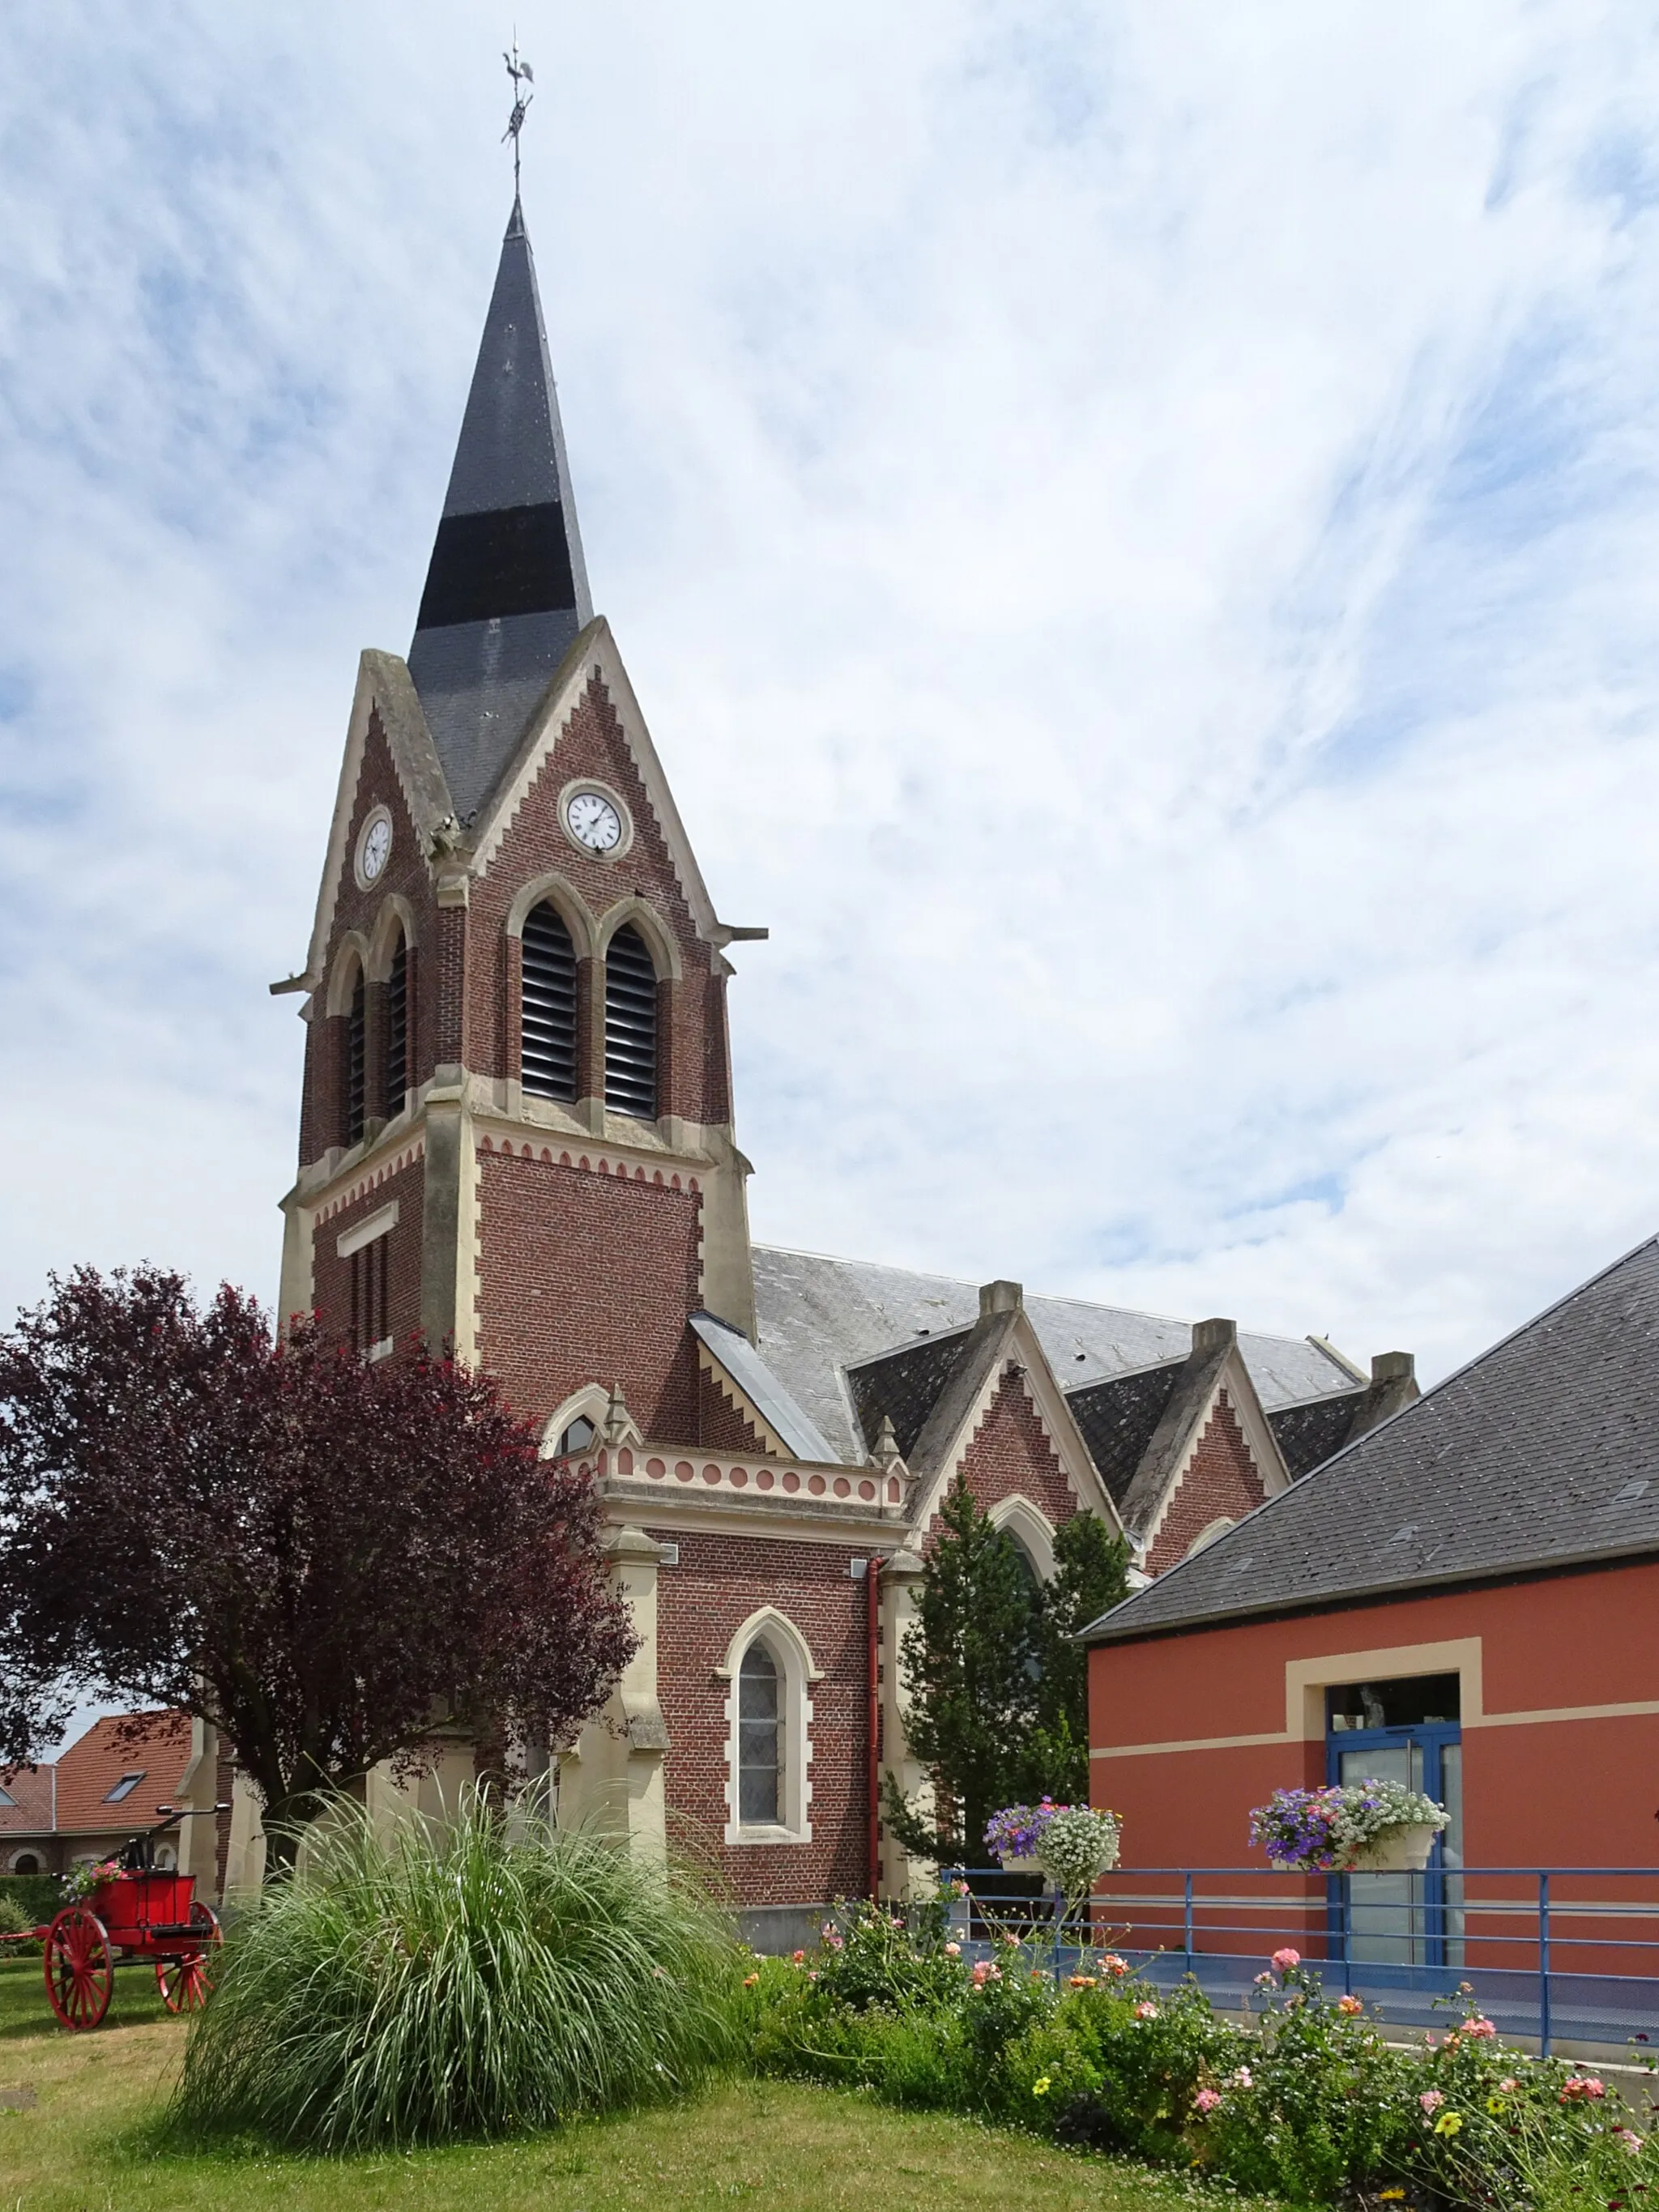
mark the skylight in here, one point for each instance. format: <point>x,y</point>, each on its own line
<point>6,1797</point>
<point>125,1787</point>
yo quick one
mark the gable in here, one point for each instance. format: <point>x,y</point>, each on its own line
<point>385,709</point>
<point>1220,1481</point>
<point>1120,1418</point>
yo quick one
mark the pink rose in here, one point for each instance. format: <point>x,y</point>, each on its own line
<point>1285,1959</point>
<point>953,1950</point>
<point>1432,2100</point>
<point>1349,2004</point>
<point>1478,2028</point>
<point>1145,2010</point>
<point>1509,2084</point>
<point>1243,2079</point>
<point>1206,2101</point>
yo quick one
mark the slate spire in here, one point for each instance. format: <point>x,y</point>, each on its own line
<point>507,590</point>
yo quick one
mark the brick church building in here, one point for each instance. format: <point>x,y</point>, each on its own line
<point>517,1135</point>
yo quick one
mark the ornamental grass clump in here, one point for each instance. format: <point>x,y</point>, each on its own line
<point>475,1978</point>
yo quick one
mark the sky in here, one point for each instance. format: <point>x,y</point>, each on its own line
<point>1135,529</point>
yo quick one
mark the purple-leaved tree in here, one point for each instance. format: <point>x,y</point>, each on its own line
<point>331,1561</point>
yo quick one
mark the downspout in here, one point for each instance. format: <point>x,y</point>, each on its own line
<point>872,1762</point>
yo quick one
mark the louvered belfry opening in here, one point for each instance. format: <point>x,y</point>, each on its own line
<point>630,1026</point>
<point>397,1032</point>
<point>356,1034</point>
<point>547,1026</point>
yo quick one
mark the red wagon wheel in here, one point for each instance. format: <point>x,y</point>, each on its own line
<point>184,1980</point>
<point>80,1971</point>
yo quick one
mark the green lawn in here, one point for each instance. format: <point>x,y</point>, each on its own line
<point>84,2144</point>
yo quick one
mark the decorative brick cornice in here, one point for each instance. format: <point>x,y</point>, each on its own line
<point>372,1176</point>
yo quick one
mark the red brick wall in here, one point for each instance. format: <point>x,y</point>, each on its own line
<point>719,1581</point>
<point>332,1275</point>
<point>692,1041</point>
<point>1011,1454</point>
<point>1221,1478</point>
<point>587,1277</point>
<point>720,1426</point>
<point>406,874</point>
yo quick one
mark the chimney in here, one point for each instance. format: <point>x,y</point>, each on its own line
<point>1394,1367</point>
<point>1000,1297</point>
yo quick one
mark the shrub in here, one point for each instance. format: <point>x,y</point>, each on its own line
<point>12,1921</point>
<point>1313,2108</point>
<point>37,1896</point>
<point>1152,2050</point>
<point>457,1981</point>
<point>1311,2103</point>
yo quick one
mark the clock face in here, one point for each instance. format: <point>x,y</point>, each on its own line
<point>594,822</point>
<point>376,846</point>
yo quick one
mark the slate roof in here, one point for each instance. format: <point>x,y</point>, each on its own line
<point>1119,1419</point>
<point>818,1318</point>
<point>904,1388</point>
<point>1308,1435</point>
<point>1543,1451</point>
<point>761,1387</point>
<point>506,590</point>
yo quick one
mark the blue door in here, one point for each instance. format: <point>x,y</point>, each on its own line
<point>1409,1920</point>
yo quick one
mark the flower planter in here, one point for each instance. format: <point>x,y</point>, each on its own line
<point>1020,1862</point>
<point>1403,1850</point>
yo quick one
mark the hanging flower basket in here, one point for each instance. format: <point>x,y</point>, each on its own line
<point>1071,1845</point>
<point>1403,1849</point>
<point>1362,1827</point>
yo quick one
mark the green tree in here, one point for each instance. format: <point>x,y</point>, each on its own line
<point>998,1695</point>
<point>1091,1568</point>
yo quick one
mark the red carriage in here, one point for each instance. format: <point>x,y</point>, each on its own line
<point>136,1914</point>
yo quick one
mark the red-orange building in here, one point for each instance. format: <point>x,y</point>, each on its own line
<point>1466,1598</point>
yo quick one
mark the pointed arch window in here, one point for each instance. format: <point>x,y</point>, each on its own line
<point>630,1026</point>
<point>759,1739</point>
<point>547,1052</point>
<point>397,1032</point>
<point>356,1062</point>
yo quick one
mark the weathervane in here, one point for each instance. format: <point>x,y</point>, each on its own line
<point>521,74</point>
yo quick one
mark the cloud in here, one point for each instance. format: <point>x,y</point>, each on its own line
<point>1132,528</point>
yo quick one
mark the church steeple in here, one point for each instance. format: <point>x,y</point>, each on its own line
<point>507,590</point>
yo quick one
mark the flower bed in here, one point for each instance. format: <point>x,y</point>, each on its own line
<point>1311,2105</point>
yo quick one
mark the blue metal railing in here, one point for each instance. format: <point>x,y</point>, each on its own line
<point>1561,1953</point>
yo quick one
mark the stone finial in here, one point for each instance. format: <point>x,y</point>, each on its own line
<point>617,1421</point>
<point>1212,1337</point>
<point>885,1449</point>
<point>1000,1297</point>
<point>1394,1367</point>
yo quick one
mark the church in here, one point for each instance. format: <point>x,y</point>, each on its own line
<point>518,1136</point>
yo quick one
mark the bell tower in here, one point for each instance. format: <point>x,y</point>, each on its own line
<point>516,1129</point>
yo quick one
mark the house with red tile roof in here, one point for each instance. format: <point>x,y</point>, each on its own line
<point>123,1776</point>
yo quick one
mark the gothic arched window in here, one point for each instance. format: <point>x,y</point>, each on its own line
<point>356,1067</point>
<point>759,1739</point>
<point>630,1026</point>
<point>397,1031</point>
<point>547,999</point>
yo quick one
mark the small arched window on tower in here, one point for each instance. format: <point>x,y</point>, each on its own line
<point>356,1039</point>
<point>630,1026</point>
<point>397,1032</point>
<point>759,1739</point>
<point>547,1026</point>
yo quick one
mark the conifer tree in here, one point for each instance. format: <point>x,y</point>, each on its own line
<point>998,1696</point>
